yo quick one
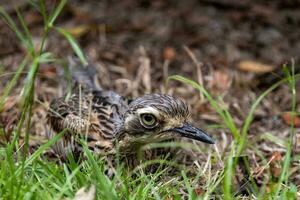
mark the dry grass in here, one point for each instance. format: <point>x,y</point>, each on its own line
<point>205,171</point>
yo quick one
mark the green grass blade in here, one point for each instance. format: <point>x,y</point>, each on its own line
<point>12,82</point>
<point>41,149</point>
<point>250,115</point>
<point>56,12</point>
<point>107,189</point>
<point>10,22</point>
<point>291,80</point>
<point>47,57</point>
<point>228,174</point>
<point>30,46</point>
<point>74,45</point>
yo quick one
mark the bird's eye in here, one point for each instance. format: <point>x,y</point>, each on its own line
<point>148,120</point>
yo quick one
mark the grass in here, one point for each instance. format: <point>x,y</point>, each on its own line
<point>33,176</point>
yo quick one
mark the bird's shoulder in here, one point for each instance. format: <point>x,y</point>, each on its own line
<point>110,108</point>
<point>98,111</point>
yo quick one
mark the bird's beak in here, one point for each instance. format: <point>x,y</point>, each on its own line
<point>192,132</point>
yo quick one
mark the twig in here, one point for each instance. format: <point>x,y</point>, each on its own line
<point>198,67</point>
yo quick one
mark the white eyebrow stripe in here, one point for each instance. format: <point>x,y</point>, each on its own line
<point>151,110</point>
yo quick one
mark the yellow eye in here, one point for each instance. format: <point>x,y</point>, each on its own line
<point>148,120</point>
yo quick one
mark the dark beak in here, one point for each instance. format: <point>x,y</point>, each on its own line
<point>192,132</point>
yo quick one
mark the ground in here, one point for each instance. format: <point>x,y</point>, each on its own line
<point>235,49</point>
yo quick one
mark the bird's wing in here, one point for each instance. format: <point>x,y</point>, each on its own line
<point>90,112</point>
<point>69,114</point>
<point>92,115</point>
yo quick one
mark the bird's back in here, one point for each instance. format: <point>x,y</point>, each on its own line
<point>88,113</point>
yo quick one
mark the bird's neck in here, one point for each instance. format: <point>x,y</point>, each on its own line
<point>127,144</point>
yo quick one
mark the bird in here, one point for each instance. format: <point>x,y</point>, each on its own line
<point>111,123</point>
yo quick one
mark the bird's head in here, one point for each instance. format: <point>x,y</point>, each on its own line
<point>156,117</point>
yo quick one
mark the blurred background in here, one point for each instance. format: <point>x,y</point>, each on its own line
<point>236,49</point>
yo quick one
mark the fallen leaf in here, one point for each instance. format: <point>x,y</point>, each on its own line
<point>169,198</point>
<point>290,117</point>
<point>82,194</point>
<point>78,31</point>
<point>198,191</point>
<point>48,71</point>
<point>221,81</point>
<point>275,164</point>
<point>275,171</point>
<point>276,155</point>
<point>169,53</point>
<point>255,67</point>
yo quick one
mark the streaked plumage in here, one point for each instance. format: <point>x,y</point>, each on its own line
<point>107,120</point>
